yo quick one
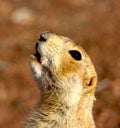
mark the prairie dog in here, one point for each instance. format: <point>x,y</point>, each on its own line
<point>67,79</point>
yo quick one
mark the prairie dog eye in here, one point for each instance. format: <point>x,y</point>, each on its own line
<point>75,54</point>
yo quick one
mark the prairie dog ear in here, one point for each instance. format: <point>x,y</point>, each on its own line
<point>90,77</point>
<point>89,84</point>
<point>90,81</point>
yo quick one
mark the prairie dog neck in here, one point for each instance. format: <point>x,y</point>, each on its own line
<point>69,98</point>
<point>67,79</point>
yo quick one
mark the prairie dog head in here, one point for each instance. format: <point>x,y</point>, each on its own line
<point>59,62</point>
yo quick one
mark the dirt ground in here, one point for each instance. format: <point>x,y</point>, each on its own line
<point>95,24</point>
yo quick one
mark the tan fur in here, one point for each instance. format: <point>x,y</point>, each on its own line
<point>67,85</point>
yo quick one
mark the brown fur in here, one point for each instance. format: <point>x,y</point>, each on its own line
<point>67,85</point>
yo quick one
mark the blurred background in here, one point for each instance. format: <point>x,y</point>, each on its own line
<point>95,24</point>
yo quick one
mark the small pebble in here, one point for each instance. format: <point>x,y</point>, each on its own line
<point>23,16</point>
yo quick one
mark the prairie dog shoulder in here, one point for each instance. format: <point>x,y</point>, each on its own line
<point>67,79</point>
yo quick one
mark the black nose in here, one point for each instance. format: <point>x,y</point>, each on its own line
<point>44,36</point>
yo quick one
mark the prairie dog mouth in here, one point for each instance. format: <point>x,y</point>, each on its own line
<point>43,38</point>
<point>38,56</point>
